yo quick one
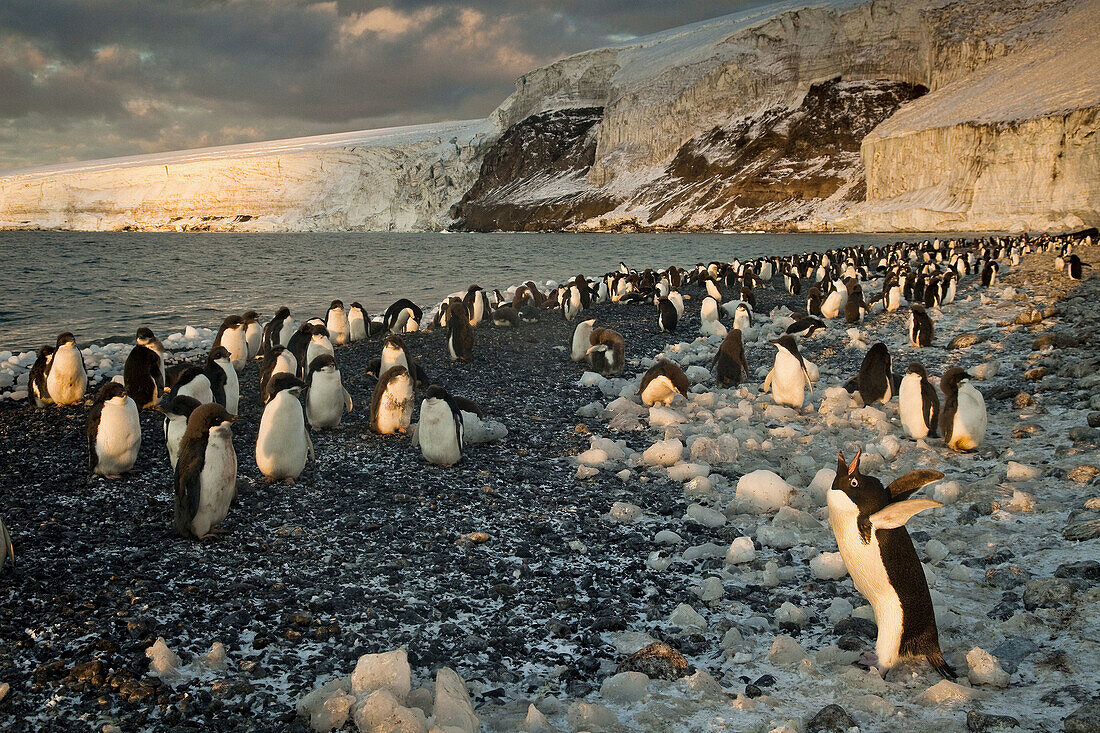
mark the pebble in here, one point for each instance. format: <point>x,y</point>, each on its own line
<point>830,719</point>
<point>1047,592</point>
<point>986,723</point>
<point>1085,719</point>
<point>786,652</point>
<point>657,661</point>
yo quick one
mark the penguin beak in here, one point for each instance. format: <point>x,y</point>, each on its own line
<point>853,469</point>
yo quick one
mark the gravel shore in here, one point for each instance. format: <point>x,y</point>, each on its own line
<point>367,552</point>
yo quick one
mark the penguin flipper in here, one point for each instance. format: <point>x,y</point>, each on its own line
<point>93,428</point>
<point>898,513</point>
<point>903,487</point>
<point>5,543</point>
<point>347,401</point>
<point>188,492</point>
<point>309,448</point>
<point>768,381</point>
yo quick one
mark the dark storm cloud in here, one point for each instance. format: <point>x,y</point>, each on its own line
<point>83,78</point>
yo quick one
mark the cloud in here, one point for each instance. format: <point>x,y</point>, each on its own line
<point>96,78</point>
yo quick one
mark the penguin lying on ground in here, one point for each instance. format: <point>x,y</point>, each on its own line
<point>606,355</point>
<point>114,432</point>
<point>662,383</point>
<point>868,521</point>
<point>206,474</point>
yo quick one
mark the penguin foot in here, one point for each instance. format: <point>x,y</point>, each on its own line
<point>288,482</point>
<point>869,661</point>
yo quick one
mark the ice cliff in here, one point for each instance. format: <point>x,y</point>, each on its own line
<point>837,115</point>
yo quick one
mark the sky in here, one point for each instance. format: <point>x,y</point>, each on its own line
<point>86,79</point>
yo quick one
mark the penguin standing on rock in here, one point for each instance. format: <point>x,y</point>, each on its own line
<point>606,355</point>
<point>66,378</point>
<point>662,383</point>
<point>176,411</point>
<point>730,366</point>
<point>38,394</point>
<point>114,432</point>
<point>391,404</point>
<point>143,377</point>
<point>920,327</point>
<point>1074,267</point>
<point>788,377</point>
<point>283,443</point>
<point>440,429</point>
<point>918,405</point>
<point>868,521</point>
<point>963,420</point>
<point>876,380</point>
<point>325,396</point>
<point>336,323</point>
<point>206,474</point>
<point>460,334</point>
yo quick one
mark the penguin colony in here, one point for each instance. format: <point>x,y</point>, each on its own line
<point>301,389</point>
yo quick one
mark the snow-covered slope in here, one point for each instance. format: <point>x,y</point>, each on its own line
<point>400,179</point>
<point>748,121</point>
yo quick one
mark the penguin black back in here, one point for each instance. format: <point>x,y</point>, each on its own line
<point>188,489</point>
<point>141,374</point>
<point>109,390</point>
<point>216,374</point>
<point>730,366</point>
<point>875,381</point>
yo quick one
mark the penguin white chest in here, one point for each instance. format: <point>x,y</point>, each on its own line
<point>337,325</point>
<point>199,389</point>
<point>67,379</point>
<point>395,407</point>
<point>659,391</point>
<point>325,401</point>
<point>118,438</point>
<point>834,304</point>
<point>968,428</point>
<point>235,342</point>
<point>742,321</point>
<point>317,347</point>
<point>174,428</point>
<point>788,380</point>
<point>217,482</point>
<point>281,441</point>
<point>357,326</point>
<point>911,407</point>
<point>438,435</point>
<point>253,335</point>
<point>865,565</point>
<point>232,386</point>
<point>392,358</point>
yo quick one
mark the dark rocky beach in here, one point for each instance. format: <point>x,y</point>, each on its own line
<point>371,550</point>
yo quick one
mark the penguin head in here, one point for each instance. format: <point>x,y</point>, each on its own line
<point>951,380</point>
<point>393,343</point>
<point>179,406</point>
<point>865,492</point>
<point>336,305</point>
<point>232,322</point>
<point>358,306</point>
<point>46,351</point>
<point>283,382</point>
<point>109,391</point>
<point>319,332</point>
<point>66,339</point>
<point>209,418</point>
<point>917,368</point>
<point>249,317</point>
<point>219,353</point>
<point>145,336</point>
<point>282,314</point>
<point>323,363</point>
<point>315,322</point>
<point>436,392</point>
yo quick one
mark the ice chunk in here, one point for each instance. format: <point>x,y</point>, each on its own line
<point>163,662</point>
<point>475,430</point>
<point>705,516</point>
<point>946,492</point>
<point>590,716</point>
<point>935,550</point>
<point>536,722</point>
<point>385,671</point>
<point>945,693</point>
<point>625,513</point>
<point>663,453</point>
<point>667,537</point>
<point>715,451</point>
<point>1020,472</point>
<point>709,590</point>
<point>615,450</point>
<point>687,471</point>
<point>985,669</point>
<point>741,551</point>
<point>697,374</point>
<point>839,609</point>
<point>828,566</point>
<point>625,687</point>
<point>789,613</point>
<point>985,371</point>
<point>592,457</point>
<point>776,537</point>
<point>452,707</point>
<point>707,549</point>
<point>687,617</point>
<point>332,712</point>
<point>762,491</point>
<point>822,482</point>
<point>623,414</point>
<point>591,379</point>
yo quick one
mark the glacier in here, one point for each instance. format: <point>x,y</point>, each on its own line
<point>842,115</point>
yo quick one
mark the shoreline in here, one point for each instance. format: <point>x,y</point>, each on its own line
<point>368,544</point>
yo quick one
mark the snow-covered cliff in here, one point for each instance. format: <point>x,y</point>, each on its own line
<point>829,115</point>
<point>397,179</point>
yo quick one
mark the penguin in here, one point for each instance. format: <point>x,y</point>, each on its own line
<point>835,302</point>
<point>336,323</point>
<point>989,274</point>
<point>176,411</point>
<point>277,360</point>
<point>529,314</point>
<point>505,316</point>
<point>813,301</point>
<point>875,380</point>
<point>325,397</point>
<point>713,291</point>
<point>662,383</point>
<point>283,443</point>
<point>224,384</point>
<point>667,315</point>
<point>460,334</point>
<point>918,404</point>
<point>606,355</point>
<point>854,308</point>
<point>403,316</point>
<point>357,322</point>
<point>191,381</point>
<point>963,420</point>
<point>709,325</point>
<point>318,344</point>
<point>114,432</point>
<point>440,429</point>
<point>891,292</point>
<point>582,341</point>
<point>920,327</point>
<point>477,304</point>
<point>730,366</point>
<point>868,521</point>
<point>299,344</point>
<point>253,333</point>
<point>677,300</point>
<point>788,376</point>
<point>37,392</point>
<point>145,337</point>
<point>1074,267</point>
<point>142,376</point>
<point>6,549</point>
<point>394,353</point>
<point>391,405</point>
<point>66,378</point>
<point>278,330</point>
<point>805,327</point>
<point>232,337</point>
<point>742,319</point>
<point>206,474</point>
